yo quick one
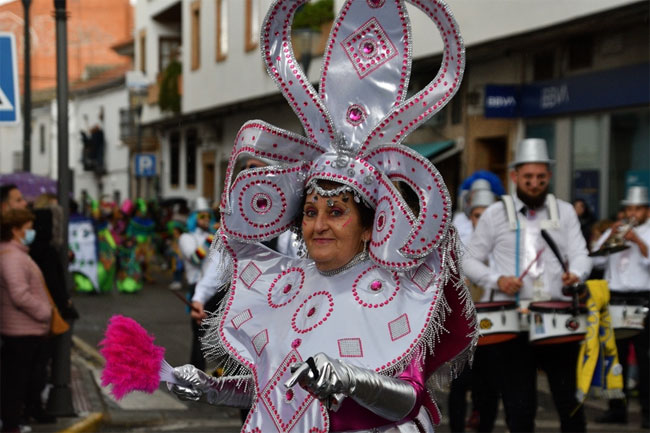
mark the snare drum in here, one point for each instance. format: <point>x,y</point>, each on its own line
<point>627,314</point>
<point>553,322</point>
<point>497,322</point>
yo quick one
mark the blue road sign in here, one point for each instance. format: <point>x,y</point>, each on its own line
<point>145,165</point>
<point>9,96</point>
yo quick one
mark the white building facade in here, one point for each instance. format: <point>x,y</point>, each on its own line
<point>224,82</point>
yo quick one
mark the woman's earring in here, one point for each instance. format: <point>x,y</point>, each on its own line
<point>365,247</point>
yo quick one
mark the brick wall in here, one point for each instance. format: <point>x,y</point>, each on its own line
<point>93,27</point>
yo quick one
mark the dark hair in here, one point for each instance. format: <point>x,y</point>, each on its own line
<point>5,190</point>
<point>11,219</point>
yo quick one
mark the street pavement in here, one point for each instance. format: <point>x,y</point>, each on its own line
<point>165,316</point>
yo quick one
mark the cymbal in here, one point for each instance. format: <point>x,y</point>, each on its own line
<point>608,250</point>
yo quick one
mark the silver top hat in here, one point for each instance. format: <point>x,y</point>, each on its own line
<point>530,150</point>
<point>481,198</point>
<point>480,184</point>
<point>636,195</point>
<point>201,204</point>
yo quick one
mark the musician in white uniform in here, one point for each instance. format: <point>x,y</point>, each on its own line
<point>509,232</point>
<point>628,274</point>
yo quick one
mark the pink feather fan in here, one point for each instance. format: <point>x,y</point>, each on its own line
<point>133,361</point>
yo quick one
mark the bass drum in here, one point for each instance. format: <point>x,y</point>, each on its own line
<point>555,322</point>
<point>497,322</point>
<point>628,314</point>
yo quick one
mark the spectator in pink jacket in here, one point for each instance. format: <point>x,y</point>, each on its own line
<point>25,313</point>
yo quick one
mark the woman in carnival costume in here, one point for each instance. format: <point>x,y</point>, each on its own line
<point>349,337</point>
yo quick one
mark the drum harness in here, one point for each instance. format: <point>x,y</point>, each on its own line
<point>515,224</point>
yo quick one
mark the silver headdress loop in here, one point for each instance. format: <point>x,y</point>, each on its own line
<point>354,126</point>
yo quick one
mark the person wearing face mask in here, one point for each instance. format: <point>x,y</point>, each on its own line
<point>25,314</point>
<point>522,269</point>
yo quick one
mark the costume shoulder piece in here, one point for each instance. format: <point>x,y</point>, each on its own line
<point>408,299</point>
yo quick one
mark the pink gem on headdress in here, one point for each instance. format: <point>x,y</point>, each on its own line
<point>296,343</point>
<point>375,285</point>
<point>367,47</point>
<point>286,289</point>
<point>355,115</point>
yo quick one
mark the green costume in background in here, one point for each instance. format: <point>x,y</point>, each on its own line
<point>142,229</point>
<point>129,276</point>
<point>107,266</point>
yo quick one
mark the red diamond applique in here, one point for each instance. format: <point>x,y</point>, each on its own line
<point>274,394</point>
<point>368,47</point>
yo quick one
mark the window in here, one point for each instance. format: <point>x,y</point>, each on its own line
<point>168,50</point>
<point>222,30</point>
<point>191,143</point>
<point>127,123</point>
<point>543,65</point>
<point>252,24</point>
<point>143,50</point>
<point>18,161</point>
<point>41,139</point>
<point>195,13</point>
<point>581,53</point>
<point>174,158</point>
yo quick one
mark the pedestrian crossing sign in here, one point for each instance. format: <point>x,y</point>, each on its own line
<point>9,96</point>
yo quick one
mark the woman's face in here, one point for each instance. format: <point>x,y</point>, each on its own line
<point>19,233</point>
<point>331,227</point>
<point>579,207</point>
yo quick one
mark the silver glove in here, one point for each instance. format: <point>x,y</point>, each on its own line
<point>195,385</point>
<point>330,379</point>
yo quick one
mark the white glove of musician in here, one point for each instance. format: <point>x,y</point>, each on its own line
<point>330,380</point>
<point>233,391</point>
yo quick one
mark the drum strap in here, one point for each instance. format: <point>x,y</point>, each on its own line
<point>551,205</point>
<point>515,224</point>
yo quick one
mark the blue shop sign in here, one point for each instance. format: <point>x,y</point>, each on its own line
<point>501,101</point>
<point>620,87</point>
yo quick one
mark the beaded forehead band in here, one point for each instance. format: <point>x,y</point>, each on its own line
<point>353,128</point>
<point>313,186</point>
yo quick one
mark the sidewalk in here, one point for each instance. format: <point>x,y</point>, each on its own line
<point>160,412</point>
<point>97,411</point>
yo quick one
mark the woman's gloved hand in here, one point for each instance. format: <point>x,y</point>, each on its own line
<point>330,380</point>
<point>195,385</point>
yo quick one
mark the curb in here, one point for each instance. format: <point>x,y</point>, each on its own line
<point>92,421</point>
<point>89,424</point>
<point>88,350</point>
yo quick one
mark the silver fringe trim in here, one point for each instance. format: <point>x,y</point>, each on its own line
<point>225,266</point>
<point>450,272</point>
<point>213,347</point>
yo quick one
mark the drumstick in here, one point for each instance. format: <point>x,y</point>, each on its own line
<point>185,301</point>
<point>556,252</point>
<point>530,265</point>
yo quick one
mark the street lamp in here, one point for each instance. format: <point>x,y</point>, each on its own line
<point>27,100</point>
<point>59,402</point>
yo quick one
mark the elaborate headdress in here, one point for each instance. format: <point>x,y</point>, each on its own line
<point>354,126</point>
<point>412,291</point>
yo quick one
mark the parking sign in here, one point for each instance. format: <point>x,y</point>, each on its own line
<point>145,165</point>
<point>9,103</point>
